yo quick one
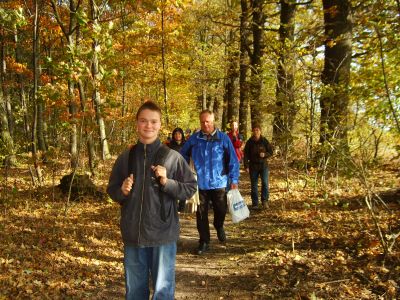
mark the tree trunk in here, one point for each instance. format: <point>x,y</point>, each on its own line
<point>87,125</point>
<point>336,74</point>
<point>6,137</point>
<point>256,66</point>
<point>243,69</point>
<point>231,113</point>
<point>35,55</point>
<point>98,103</point>
<point>285,101</point>
<point>20,80</point>
<point>163,63</point>
<point>72,107</point>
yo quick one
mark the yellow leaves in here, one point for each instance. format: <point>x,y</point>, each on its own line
<point>330,43</point>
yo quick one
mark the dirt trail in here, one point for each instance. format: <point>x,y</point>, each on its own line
<point>305,246</point>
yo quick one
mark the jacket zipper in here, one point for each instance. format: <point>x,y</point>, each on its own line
<point>141,204</point>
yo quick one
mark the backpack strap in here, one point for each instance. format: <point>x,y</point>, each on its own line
<point>161,157</point>
<point>131,160</point>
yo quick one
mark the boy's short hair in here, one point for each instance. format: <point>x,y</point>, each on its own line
<point>150,105</point>
<point>256,125</point>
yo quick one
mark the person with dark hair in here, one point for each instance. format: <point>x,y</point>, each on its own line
<point>146,180</point>
<point>188,133</point>
<point>217,169</point>
<point>176,143</point>
<point>177,140</point>
<point>256,153</point>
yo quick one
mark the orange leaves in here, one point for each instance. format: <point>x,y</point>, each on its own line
<point>17,68</point>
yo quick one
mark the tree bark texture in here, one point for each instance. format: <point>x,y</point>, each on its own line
<point>69,31</point>
<point>255,62</point>
<point>35,131</point>
<point>336,74</point>
<point>243,68</point>
<point>285,112</point>
<point>96,97</point>
<point>232,108</point>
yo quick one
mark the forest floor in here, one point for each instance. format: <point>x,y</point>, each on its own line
<point>307,245</point>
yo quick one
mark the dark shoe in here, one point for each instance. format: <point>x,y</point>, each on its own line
<point>221,234</point>
<point>254,207</point>
<point>203,247</point>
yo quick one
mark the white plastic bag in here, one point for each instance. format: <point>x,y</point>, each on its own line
<point>237,206</point>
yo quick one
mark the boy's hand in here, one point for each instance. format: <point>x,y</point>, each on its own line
<point>161,173</point>
<point>127,185</point>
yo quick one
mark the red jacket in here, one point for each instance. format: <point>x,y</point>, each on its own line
<point>237,144</point>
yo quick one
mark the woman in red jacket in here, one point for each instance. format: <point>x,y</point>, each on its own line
<point>236,140</point>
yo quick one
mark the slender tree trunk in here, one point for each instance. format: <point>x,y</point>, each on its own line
<point>35,55</point>
<point>72,106</point>
<point>336,74</point>
<point>285,100</point>
<point>256,102</point>
<point>6,137</point>
<point>243,69</point>
<point>20,80</point>
<point>232,105</point>
<point>98,103</point>
<point>124,103</point>
<point>163,63</point>
<point>86,126</point>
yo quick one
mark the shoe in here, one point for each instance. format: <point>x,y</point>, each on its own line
<point>254,207</point>
<point>203,247</point>
<point>221,234</point>
<point>265,205</point>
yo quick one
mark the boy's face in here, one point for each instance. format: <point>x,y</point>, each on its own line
<point>148,125</point>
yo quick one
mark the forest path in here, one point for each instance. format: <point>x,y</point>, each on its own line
<point>306,245</point>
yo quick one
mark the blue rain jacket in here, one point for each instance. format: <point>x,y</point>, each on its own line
<point>214,159</point>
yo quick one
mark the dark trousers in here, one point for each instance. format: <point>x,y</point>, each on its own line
<point>255,173</point>
<point>220,206</point>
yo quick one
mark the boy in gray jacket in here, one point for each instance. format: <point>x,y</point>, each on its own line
<point>147,193</point>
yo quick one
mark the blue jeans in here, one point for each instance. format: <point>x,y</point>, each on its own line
<point>157,262</point>
<point>254,174</point>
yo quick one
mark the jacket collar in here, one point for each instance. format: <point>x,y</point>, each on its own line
<point>150,147</point>
<point>212,137</point>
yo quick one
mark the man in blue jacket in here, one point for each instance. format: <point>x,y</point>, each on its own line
<point>217,169</point>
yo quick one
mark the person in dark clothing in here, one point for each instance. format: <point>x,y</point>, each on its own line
<point>176,143</point>
<point>147,193</point>
<point>256,153</point>
<point>177,140</point>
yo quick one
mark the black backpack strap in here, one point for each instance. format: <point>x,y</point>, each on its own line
<point>161,157</point>
<point>131,161</point>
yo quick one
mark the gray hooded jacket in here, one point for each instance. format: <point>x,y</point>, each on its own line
<point>141,223</point>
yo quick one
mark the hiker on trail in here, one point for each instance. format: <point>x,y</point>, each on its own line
<point>176,143</point>
<point>236,139</point>
<point>146,180</point>
<point>177,140</point>
<point>169,139</point>
<point>188,133</point>
<point>256,153</point>
<point>217,169</point>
